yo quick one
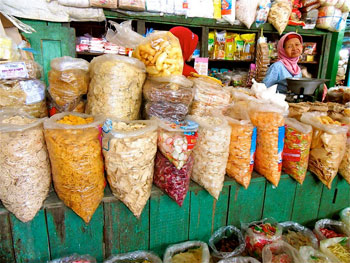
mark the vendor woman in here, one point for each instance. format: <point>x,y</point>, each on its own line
<point>289,49</point>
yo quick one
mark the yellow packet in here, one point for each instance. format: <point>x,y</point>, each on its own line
<point>249,46</point>
<point>211,44</point>
<point>238,47</point>
<point>217,9</point>
<point>229,46</point>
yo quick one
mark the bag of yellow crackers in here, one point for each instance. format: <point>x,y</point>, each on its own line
<point>73,142</point>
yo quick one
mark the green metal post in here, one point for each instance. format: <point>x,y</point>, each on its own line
<point>332,68</point>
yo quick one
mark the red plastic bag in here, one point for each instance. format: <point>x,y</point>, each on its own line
<point>172,181</point>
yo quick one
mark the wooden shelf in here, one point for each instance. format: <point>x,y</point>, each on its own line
<point>300,62</point>
<point>245,61</point>
<point>90,53</point>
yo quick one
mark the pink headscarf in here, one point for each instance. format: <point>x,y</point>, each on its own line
<point>291,64</point>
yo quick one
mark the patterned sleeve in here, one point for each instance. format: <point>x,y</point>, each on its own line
<point>272,75</point>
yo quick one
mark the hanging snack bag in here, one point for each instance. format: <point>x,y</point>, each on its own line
<point>344,167</point>
<point>327,228</point>
<point>161,53</point>
<point>73,142</point>
<point>270,139</point>
<point>68,82</point>
<point>263,12</point>
<point>211,153</point>
<point>174,182</point>
<point>296,150</point>
<point>345,217</point>
<point>311,255</point>
<point>189,251</point>
<point>219,48</point>
<point>279,14</point>
<point>327,146</point>
<point>25,172</point>
<point>258,234</point>
<point>176,141</point>
<point>239,260</point>
<point>116,86</point>
<point>227,242</point>
<point>136,256</point>
<point>246,11</point>
<point>337,249</point>
<point>129,149</point>
<point>298,236</point>
<point>280,252</point>
<point>242,148</point>
<point>24,95</point>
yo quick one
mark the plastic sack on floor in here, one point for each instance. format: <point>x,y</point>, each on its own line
<point>24,95</point>
<point>246,11</point>
<point>116,86</point>
<point>129,149</point>
<point>258,234</point>
<point>239,260</point>
<point>344,167</point>
<point>20,70</point>
<point>176,141</point>
<point>270,140</point>
<point>298,236</point>
<point>327,228</point>
<point>279,14</point>
<point>25,172</point>
<point>297,142</point>
<point>174,112</point>
<point>327,146</point>
<point>136,256</point>
<point>262,12</point>
<point>73,142</point>
<point>211,153</point>
<point>345,217</point>
<point>75,258</point>
<point>311,255</point>
<point>227,242</point>
<point>242,149</point>
<point>190,251</point>
<point>331,18</point>
<point>336,249</point>
<point>279,252</point>
<point>174,182</point>
<point>68,81</point>
<point>161,53</point>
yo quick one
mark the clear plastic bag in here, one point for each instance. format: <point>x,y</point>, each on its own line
<point>174,112</point>
<point>336,249</point>
<point>25,172</point>
<point>136,256</point>
<point>225,233</point>
<point>270,140</point>
<point>263,12</point>
<point>327,228</point>
<point>344,167</point>
<point>24,95</point>
<point>75,258</point>
<point>239,260</point>
<point>345,217</point>
<point>242,148</point>
<point>177,249</point>
<point>161,53</point>
<point>302,236</point>
<point>174,89</point>
<point>331,18</point>
<point>311,255</point>
<point>280,252</point>
<point>246,11</point>
<point>258,234</point>
<point>73,142</point>
<point>279,14</point>
<point>68,81</point>
<point>174,182</point>
<point>20,70</point>
<point>211,153</point>
<point>129,149</point>
<point>116,86</point>
<point>297,142</point>
<point>176,141</point>
<point>327,147</point>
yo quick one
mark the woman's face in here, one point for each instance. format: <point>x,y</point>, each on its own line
<point>293,48</point>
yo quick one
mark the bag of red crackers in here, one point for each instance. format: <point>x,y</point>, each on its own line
<point>297,142</point>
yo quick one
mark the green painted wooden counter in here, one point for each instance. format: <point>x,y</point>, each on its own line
<point>57,231</point>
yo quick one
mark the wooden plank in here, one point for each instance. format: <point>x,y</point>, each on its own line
<point>327,204</point>
<point>50,49</point>
<point>307,200</point>
<point>279,201</point>
<point>207,214</point>
<point>30,239</point>
<point>6,245</point>
<point>69,234</point>
<point>246,205</point>
<point>123,232</point>
<point>169,223</point>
